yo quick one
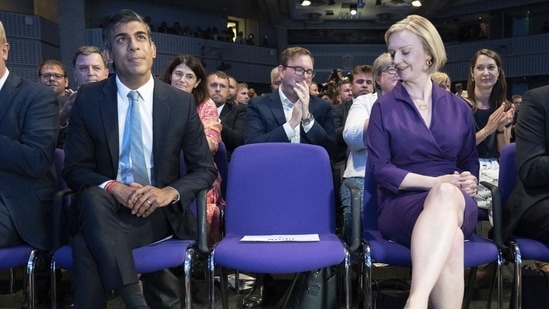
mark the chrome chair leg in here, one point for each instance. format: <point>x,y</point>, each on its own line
<point>367,277</point>
<point>30,284</point>
<point>348,286</point>
<point>187,266</point>
<point>211,279</point>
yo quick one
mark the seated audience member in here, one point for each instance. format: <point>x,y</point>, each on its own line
<point>344,92</point>
<point>385,74</point>
<point>386,77</point>
<point>527,210</point>
<point>52,73</point>
<point>28,129</point>
<point>486,93</point>
<point>232,116</point>
<point>232,89</point>
<point>442,80</point>
<point>89,65</point>
<point>242,94</point>
<point>329,97</point>
<point>360,82</point>
<point>313,89</point>
<point>289,115</point>
<point>134,196</point>
<point>426,174</point>
<point>275,79</point>
<point>186,73</point>
<point>251,93</point>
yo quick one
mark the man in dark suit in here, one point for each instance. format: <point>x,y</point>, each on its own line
<point>116,213</point>
<point>29,122</point>
<point>289,115</point>
<point>527,211</point>
<point>232,115</point>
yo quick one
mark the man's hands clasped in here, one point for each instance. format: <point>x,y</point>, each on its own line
<point>143,200</point>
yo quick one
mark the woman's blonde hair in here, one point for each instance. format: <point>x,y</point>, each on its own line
<point>430,38</point>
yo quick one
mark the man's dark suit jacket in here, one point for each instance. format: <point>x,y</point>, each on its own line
<point>532,139</point>
<point>340,113</point>
<point>233,117</point>
<point>92,146</point>
<point>265,119</point>
<point>532,143</point>
<point>29,121</point>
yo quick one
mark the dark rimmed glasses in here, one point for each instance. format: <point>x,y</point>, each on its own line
<point>301,71</point>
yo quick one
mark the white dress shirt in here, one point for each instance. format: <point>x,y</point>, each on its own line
<point>145,109</point>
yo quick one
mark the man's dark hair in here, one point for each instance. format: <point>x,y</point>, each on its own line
<point>123,17</point>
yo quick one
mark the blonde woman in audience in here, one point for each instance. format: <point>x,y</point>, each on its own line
<point>442,80</point>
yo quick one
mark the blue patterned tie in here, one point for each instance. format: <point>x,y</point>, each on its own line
<point>132,158</point>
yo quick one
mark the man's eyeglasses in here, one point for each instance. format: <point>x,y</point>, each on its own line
<point>390,69</point>
<point>47,76</point>
<point>301,71</point>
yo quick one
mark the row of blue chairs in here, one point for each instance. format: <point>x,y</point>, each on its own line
<point>283,188</point>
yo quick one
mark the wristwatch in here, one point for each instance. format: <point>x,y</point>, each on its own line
<point>305,122</point>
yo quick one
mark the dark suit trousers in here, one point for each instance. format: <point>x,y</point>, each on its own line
<point>535,222</point>
<point>8,233</point>
<point>102,250</point>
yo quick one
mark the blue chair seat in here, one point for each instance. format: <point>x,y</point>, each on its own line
<point>145,258</point>
<point>531,249</point>
<point>258,257</point>
<point>398,255</point>
<point>14,256</point>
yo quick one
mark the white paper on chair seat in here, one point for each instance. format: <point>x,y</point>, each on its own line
<point>281,238</point>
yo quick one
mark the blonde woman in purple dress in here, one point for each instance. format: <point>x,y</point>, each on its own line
<point>421,146</point>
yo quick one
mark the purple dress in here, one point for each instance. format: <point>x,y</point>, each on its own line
<point>399,142</point>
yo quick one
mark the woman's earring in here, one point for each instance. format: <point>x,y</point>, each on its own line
<point>429,62</point>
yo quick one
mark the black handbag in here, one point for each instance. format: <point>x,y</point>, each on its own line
<point>312,290</point>
<point>390,293</point>
<point>535,289</point>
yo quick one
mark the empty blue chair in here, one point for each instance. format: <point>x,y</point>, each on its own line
<point>279,189</point>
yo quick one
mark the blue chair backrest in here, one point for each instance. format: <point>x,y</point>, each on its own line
<point>508,173</point>
<point>369,207</point>
<point>280,188</point>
